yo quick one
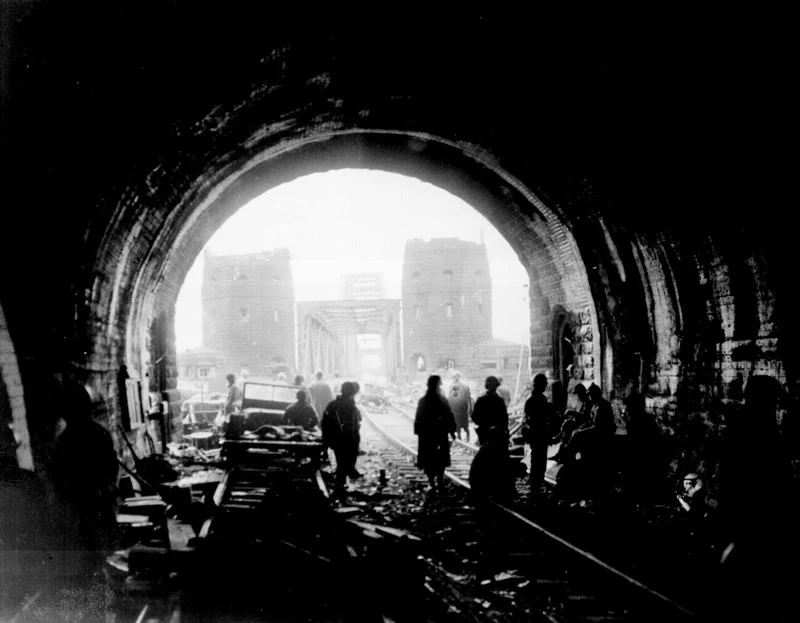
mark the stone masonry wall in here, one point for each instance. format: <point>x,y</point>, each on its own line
<point>440,273</point>
<point>248,310</point>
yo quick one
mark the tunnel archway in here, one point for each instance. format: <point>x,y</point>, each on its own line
<point>139,159</point>
<point>140,303</point>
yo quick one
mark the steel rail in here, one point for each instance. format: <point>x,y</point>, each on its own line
<point>392,439</point>
<point>584,555</point>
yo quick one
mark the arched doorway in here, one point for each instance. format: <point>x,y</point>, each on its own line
<point>565,362</point>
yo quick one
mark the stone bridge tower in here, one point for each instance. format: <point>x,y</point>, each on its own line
<point>248,310</point>
<point>447,305</point>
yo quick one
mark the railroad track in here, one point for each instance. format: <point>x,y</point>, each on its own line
<point>465,449</point>
<point>555,580</point>
<point>400,432</point>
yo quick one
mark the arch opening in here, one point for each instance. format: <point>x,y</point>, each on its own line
<point>537,234</point>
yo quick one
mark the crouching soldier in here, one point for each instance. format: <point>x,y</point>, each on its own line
<point>491,475</point>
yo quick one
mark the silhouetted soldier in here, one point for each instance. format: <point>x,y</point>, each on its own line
<point>574,419</point>
<point>433,423</point>
<point>301,413</point>
<point>86,471</point>
<point>340,433</point>
<point>537,431</point>
<point>490,410</point>
<point>588,458</point>
<point>357,389</point>
<point>460,400</point>
<point>25,534</point>
<point>321,394</point>
<point>490,474</point>
<point>600,405</point>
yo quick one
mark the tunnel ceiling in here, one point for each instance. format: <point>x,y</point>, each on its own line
<point>648,151</point>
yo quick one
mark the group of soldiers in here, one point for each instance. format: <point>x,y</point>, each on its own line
<point>585,434</point>
<point>439,417</point>
<point>328,404</point>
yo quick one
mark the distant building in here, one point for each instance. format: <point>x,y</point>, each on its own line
<point>363,286</point>
<point>447,305</point>
<point>201,365</point>
<point>502,358</point>
<point>248,311</point>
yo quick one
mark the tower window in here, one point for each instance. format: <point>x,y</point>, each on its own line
<point>244,314</point>
<point>478,273</point>
<point>415,274</point>
<point>480,309</point>
<point>448,272</point>
<point>276,317</point>
<point>449,310</point>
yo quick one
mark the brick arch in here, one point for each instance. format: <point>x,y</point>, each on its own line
<point>149,249</point>
<point>12,395</point>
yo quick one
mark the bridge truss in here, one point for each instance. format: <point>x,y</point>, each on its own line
<point>328,335</point>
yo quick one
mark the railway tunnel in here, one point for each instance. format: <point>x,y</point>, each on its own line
<point>637,194</point>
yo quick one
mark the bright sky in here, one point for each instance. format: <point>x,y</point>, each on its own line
<point>351,221</point>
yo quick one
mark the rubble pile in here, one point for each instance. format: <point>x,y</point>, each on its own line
<point>459,581</point>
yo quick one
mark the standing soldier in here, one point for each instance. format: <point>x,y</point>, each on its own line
<point>340,433</point>
<point>234,400</point>
<point>460,400</point>
<point>490,410</point>
<point>85,481</point>
<point>321,394</point>
<point>537,432</point>
<point>433,423</point>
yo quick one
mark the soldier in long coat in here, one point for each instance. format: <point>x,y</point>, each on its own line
<point>460,400</point>
<point>433,423</point>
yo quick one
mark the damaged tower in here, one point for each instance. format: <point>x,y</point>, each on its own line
<point>248,311</point>
<point>447,305</point>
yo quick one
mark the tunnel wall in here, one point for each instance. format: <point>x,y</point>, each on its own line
<point>120,165</point>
